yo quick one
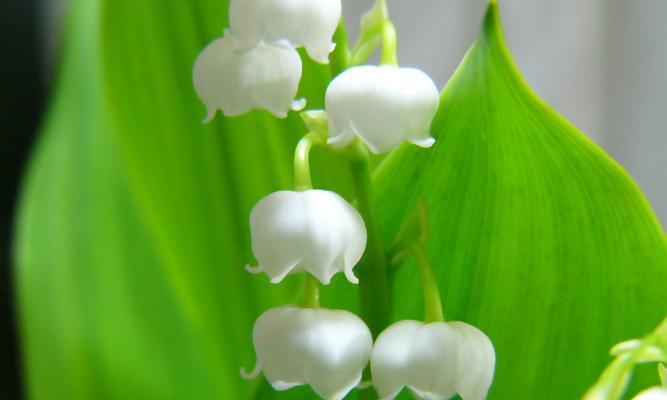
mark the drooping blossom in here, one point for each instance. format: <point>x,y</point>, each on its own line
<point>236,80</point>
<point>434,360</point>
<point>326,349</point>
<point>315,230</point>
<point>385,106</point>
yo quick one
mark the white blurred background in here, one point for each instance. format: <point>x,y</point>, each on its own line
<point>600,63</point>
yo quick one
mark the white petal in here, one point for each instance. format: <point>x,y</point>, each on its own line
<point>341,139</point>
<point>236,81</point>
<point>316,230</point>
<point>420,356</point>
<point>435,361</point>
<point>327,349</point>
<point>341,346</point>
<point>309,23</point>
<point>392,356</point>
<point>476,362</point>
<point>432,371</point>
<point>275,335</point>
<point>656,393</point>
<point>385,106</point>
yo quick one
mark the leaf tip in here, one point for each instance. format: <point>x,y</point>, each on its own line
<point>492,24</point>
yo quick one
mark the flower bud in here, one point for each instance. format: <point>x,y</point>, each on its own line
<point>235,80</point>
<point>316,230</point>
<point>384,105</point>
<point>326,349</point>
<point>655,393</point>
<point>308,23</point>
<point>434,360</point>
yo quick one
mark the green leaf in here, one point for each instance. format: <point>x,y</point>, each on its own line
<point>133,232</point>
<point>537,236</point>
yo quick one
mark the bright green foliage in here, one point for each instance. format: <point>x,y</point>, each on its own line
<point>133,230</point>
<point>537,236</point>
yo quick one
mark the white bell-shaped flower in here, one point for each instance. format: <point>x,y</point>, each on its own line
<point>384,105</point>
<point>655,393</point>
<point>308,23</point>
<point>315,230</point>
<point>234,80</point>
<point>326,349</point>
<point>434,360</point>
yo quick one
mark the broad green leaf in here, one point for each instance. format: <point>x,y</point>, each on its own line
<point>538,237</point>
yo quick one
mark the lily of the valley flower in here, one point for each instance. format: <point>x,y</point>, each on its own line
<point>656,393</point>
<point>384,105</point>
<point>308,23</point>
<point>434,360</point>
<point>237,80</point>
<point>315,230</point>
<point>326,349</point>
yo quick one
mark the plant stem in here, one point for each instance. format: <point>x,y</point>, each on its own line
<point>302,179</point>
<point>339,59</point>
<point>614,379</point>
<point>302,182</point>
<point>373,282</point>
<point>311,292</point>
<point>389,46</point>
<point>432,302</point>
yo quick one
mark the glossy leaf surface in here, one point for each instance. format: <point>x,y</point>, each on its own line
<point>538,237</point>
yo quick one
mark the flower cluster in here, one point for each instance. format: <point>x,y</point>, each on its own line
<point>383,105</point>
<point>255,63</point>
<point>317,232</point>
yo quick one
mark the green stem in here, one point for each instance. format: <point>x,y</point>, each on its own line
<point>311,292</point>
<point>365,47</point>
<point>302,179</point>
<point>340,58</point>
<point>302,182</point>
<point>373,279</point>
<point>612,383</point>
<point>389,45</point>
<point>432,302</point>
